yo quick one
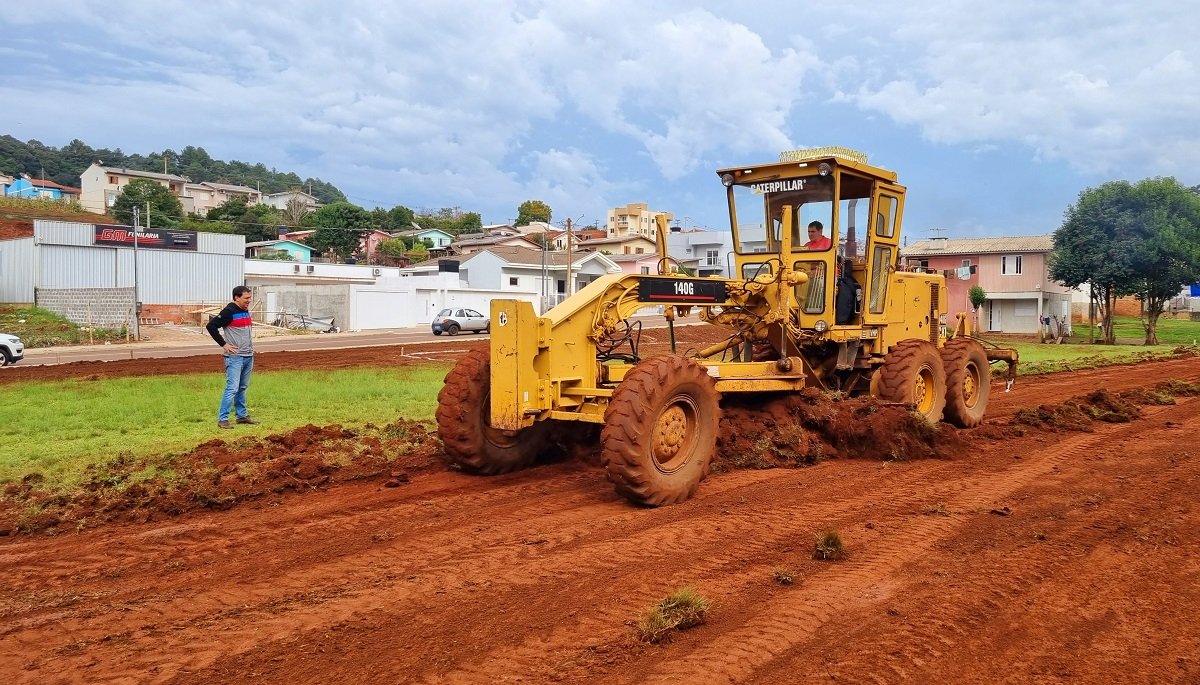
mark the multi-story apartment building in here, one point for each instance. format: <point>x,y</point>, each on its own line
<point>634,219</point>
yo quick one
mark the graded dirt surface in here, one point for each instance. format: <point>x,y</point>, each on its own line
<point>1043,547</point>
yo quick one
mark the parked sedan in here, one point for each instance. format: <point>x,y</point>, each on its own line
<point>451,321</point>
<point>11,349</point>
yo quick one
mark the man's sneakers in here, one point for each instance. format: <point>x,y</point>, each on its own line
<point>242,419</point>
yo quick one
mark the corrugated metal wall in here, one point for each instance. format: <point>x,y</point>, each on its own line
<point>16,271</point>
<point>66,258</point>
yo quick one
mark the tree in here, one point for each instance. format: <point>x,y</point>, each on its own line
<point>340,228</point>
<point>165,208</point>
<point>1126,239</point>
<point>1092,245</point>
<point>401,218</point>
<point>977,295</point>
<point>532,210</point>
<point>1166,256</point>
<point>295,212</point>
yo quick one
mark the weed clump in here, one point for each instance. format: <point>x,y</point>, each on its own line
<point>829,547</point>
<point>784,576</point>
<point>682,609</point>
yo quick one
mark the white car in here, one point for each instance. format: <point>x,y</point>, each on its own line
<point>11,349</point>
<point>451,321</point>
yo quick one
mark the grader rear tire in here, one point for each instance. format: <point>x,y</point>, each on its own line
<point>912,373</point>
<point>968,382</point>
<point>462,418</point>
<point>660,431</point>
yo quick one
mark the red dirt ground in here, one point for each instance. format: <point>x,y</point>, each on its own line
<point>1058,543</point>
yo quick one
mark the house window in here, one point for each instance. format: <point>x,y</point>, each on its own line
<point>112,180</point>
<point>1010,265</point>
<point>110,198</point>
<point>512,280</point>
<point>641,250</point>
<point>645,271</point>
<point>562,287</point>
<point>966,262</point>
<point>711,257</point>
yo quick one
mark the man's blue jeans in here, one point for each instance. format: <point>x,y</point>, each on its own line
<point>237,377</point>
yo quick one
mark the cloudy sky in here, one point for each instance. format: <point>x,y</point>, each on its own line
<point>995,115</point>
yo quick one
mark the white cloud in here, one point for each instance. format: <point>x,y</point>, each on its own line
<point>1086,83</point>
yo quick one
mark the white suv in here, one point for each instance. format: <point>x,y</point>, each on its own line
<point>11,349</point>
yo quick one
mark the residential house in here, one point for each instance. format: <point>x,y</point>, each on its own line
<point>198,198</point>
<point>557,240</point>
<point>626,244</point>
<point>281,200</point>
<point>367,244</point>
<point>437,240</point>
<point>704,253</point>
<point>644,264</point>
<point>101,184</point>
<point>535,227</point>
<point>1013,271</point>
<point>471,246</point>
<point>634,219</point>
<point>299,252</point>
<point>520,269</point>
<point>5,181</point>
<point>30,188</point>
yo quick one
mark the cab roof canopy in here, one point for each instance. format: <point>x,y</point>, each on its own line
<point>803,162</point>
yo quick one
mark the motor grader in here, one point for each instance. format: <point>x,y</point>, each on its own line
<point>838,312</point>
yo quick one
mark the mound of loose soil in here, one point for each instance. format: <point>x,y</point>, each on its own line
<point>219,474</point>
<point>809,426</point>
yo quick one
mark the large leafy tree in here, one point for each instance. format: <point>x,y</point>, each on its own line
<point>165,208</point>
<point>532,210</point>
<point>451,220</point>
<point>1166,257</point>
<point>1123,239</point>
<point>340,228</point>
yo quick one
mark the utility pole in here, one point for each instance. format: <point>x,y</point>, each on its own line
<point>137,328</point>
<point>569,258</point>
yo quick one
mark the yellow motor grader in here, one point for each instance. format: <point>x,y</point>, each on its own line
<point>817,299</point>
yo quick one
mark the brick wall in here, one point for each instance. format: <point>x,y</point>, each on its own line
<point>98,307</point>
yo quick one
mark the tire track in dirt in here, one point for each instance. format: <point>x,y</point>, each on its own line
<point>1040,560</point>
<point>793,621</point>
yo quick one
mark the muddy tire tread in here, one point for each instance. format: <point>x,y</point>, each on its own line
<point>629,423</point>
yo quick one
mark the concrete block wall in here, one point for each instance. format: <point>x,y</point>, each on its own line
<point>97,307</point>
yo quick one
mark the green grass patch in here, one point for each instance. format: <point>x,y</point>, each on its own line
<point>57,429</point>
<point>1128,329</point>
<point>37,327</point>
<point>1036,358</point>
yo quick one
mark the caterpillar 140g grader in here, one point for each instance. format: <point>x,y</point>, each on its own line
<point>834,310</point>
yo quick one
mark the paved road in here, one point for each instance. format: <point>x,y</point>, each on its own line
<point>284,343</point>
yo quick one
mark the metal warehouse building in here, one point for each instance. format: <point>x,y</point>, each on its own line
<point>86,272</point>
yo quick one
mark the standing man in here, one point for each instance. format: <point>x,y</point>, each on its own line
<point>239,355</point>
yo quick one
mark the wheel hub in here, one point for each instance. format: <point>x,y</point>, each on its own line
<point>970,388</point>
<point>669,432</point>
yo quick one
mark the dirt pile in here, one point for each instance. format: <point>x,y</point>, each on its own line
<point>809,426</point>
<point>219,474</point>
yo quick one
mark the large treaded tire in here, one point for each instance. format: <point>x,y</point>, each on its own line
<point>462,418</point>
<point>660,431</point>
<point>968,382</point>
<point>912,373</point>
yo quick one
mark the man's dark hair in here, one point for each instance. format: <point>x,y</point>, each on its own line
<point>238,290</point>
<point>817,224</point>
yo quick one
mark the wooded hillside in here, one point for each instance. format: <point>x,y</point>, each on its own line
<point>64,165</point>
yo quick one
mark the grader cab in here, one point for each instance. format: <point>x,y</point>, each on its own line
<point>817,299</point>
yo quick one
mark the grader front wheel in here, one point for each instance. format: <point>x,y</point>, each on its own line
<point>660,431</point>
<point>968,382</point>
<point>462,418</point>
<point>912,373</point>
